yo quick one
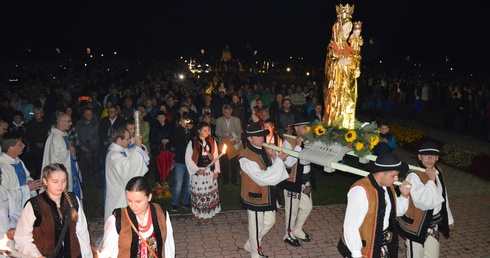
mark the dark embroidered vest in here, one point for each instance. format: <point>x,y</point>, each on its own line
<point>293,183</point>
<point>197,148</point>
<point>415,223</point>
<point>47,226</point>
<point>253,196</point>
<point>129,240</point>
<point>371,230</point>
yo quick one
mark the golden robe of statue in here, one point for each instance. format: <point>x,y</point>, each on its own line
<point>341,71</point>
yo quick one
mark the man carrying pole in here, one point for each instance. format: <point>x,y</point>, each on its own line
<point>297,189</point>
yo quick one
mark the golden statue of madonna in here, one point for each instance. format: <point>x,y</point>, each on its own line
<point>342,68</point>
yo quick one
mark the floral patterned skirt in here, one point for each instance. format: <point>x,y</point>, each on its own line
<point>205,196</point>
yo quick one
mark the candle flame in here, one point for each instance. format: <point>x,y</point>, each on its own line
<point>4,243</point>
<point>102,254</point>
<point>224,148</point>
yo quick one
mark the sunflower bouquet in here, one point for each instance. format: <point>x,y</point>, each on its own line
<point>361,140</point>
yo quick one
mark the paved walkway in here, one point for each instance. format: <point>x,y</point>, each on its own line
<point>224,236</point>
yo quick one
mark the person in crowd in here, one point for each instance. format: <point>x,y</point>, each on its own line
<point>105,110</point>
<point>239,110</point>
<point>160,134</point>
<point>229,130</point>
<point>172,107</point>
<point>37,134</point>
<point>122,164</point>
<point>208,106</point>
<point>53,224</point>
<point>27,108</point>
<point>144,114</point>
<point>6,111</point>
<point>285,118</point>
<point>369,228</point>
<point>267,97</point>
<point>106,128</point>
<point>428,212</point>
<point>4,128</point>
<point>255,117</point>
<point>113,96</point>
<point>276,105</point>
<point>387,140</point>
<point>415,106</point>
<point>184,111</point>
<point>16,177</point>
<point>298,101</point>
<point>451,109</point>
<point>140,228</point>
<point>59,150</point>
<point>261,170</point>
<point>127,110</point>
<point>150,108</point>
<point>297,188</point>
<point>87,129</point>
<point>181,138</point>
<point>222,99</point>
<point>316,113</point>
<point>208,118</point>
<point>18,125</point>
<point>264,116</point>
<point>200,153</point>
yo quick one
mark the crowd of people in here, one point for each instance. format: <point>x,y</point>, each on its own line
<point>73,123</point>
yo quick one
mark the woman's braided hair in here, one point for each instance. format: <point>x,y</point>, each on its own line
<point>60,167</point>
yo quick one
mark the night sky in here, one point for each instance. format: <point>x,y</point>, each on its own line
<point>276,29</point>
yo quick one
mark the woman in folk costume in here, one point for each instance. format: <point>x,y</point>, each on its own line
<point>200,152</point>
<point>142,229</point>
<point>53,223</point>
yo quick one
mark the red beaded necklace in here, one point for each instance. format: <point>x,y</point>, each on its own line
<point>146,227</point>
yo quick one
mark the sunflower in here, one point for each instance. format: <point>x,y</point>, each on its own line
<point>359,145</point>
<point>350,136</point>
<point>373,142</point>
<point>308,129</point>
<point>320,130</point>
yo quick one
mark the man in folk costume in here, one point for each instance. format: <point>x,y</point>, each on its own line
<point>297,189</point>
<point>58,150</point>
<point>121,165</point>
<point>369,228</point>
<point>261,170</point>
<point>428,211</point>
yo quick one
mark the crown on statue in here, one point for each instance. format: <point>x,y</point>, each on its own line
<point>344,11</point>
<point>357,25</point>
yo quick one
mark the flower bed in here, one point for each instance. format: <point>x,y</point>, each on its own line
<point>474,163</point>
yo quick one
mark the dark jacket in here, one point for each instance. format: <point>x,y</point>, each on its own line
<point>158,132</point>
<point>180,139</point>
<point>104,126</point>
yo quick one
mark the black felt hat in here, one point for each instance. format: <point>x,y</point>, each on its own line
<point>387,162</point>
<point>300,120</point>
<point>254,129</point>
<point>429,148</point>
